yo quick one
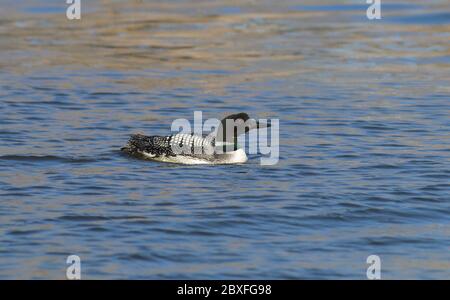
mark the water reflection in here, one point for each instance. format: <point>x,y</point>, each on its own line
<point>363,109</point>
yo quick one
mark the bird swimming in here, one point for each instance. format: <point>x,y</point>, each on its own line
<point>219,147</point>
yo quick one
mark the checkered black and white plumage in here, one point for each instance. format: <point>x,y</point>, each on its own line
<point>181,143</point>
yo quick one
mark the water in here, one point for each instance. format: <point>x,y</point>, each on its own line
<point>364,139</point>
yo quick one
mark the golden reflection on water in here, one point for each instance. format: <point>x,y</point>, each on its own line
<point>258,42</point>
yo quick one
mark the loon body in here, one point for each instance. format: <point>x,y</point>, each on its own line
<point>190,148</point>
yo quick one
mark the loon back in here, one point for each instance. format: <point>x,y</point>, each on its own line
<point>194,149</point>
<point>171,145</point>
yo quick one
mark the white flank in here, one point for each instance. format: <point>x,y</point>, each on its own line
<point>234,157</point>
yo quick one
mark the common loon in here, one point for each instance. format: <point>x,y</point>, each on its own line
<point>195,149</point>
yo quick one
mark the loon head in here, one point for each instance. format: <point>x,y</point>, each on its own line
<point>232,126</point>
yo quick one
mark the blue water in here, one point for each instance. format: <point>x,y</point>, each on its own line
<point>364,140</point>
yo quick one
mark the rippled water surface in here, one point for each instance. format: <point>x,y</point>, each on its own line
<point>364,139</point>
